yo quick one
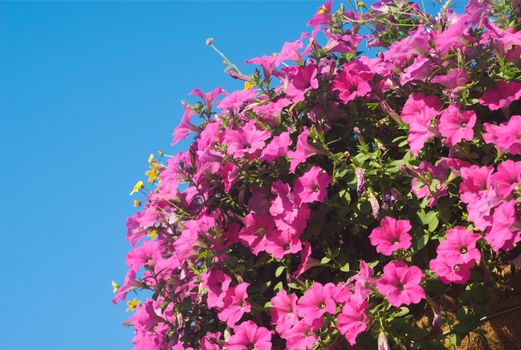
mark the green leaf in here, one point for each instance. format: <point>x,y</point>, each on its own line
<point>422,241</point>
<point>279,270</point>
<point>430,219</point>
<point>402,312</point>
<point>325,260</point>
<point>345,268</point>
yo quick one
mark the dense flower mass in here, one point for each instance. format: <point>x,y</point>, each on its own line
<point>340,196</point>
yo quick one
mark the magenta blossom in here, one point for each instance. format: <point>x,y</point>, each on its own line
<point>304,80</point>
<point>502,95</point>
<point>278,147</point>
<point>448,272</point>
<point>249,336</point>
<point>185,127</point>
<point>302,335</point>
<point>235,304</point>
<point>315,302</point>
<point>459,246</point>
<point>456,126</point>
<point>400,284</point>
<point>312,185</point>
<point>284,311</point>
<point>453,80</point>
<point>391,235</point>
<point>217,283</point>
<point>350,86</point>
<point>303,151</point>
<point>353,320</point>
<point>236,100</point>
<point>245,140</point>
<point>506,227</point>
<point>418,112</point>
<point>506,137</point>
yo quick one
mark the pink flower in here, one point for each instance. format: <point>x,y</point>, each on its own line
<point>217,283</point>
<point>208,97</point>
<point>507,177</point>
<point>430,172</point>
<point>211,341</point>
<point>235,304</point>
<point>281,243</point>
<point>185,127</point>
<point>502,95</point>
<point>284,311</point>
<point>506,227</point>
<point>391,235</point>
<point>253,235</point>
<point>245,140</point>
<point>506,137</point>
<point>236,100</point>
<point>315,302</point>
<point>306,261</point>
<point>302,335</point>
<point>278,147</point>
<point>312,185</point>
<point>303,151</point>
<point>304,80</point>
<point>400,284</point>
<point>420,70</point>
<point>459,246</point>
<point>146,254</point>
<point>456,126</point>
<point>448,272</point>
<point>350,86</point>
<point>353,320</point>
<point>271,112</point>
<point>418,112</point>
<point>453,80</point>
<point>249,336</point>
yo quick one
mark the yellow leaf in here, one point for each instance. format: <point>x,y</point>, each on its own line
<point>115,286</point>
<point>139,185</point>
<point>247,85</point>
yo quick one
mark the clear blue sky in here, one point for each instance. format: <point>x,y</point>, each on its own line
<point>87,92</point>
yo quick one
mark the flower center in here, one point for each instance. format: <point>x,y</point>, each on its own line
<point>261,231</point>
<point>399,286</point>
<point>322,305</point>
<point>463,250</point>
<point>250,346</point>
<point>456,267</point>
<point>315,188</point>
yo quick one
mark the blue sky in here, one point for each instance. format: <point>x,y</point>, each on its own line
<point>87,92</point>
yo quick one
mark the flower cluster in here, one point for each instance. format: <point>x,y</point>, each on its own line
<point>339,196</point>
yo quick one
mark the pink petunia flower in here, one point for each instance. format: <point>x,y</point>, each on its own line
<point>253,235</point>
<point>211,341</point>
<point>502,95</point>
<point>350,86</point>
<point>245,140</point>
<point>315,302</point>
<point>507,177</point>
<point>278,147</point>
<point>453,80</point>
<point>302,335</point>
<point>304,80</point>
<point>208,97</point>
<point>353,320</point>
<point>249,336</point>
<point>145,255</point>
<point>281,243</point>
<point>283,311</point>
<point>391,235</point>
<point>217,283</point>
<point>303,151</point>
<point>506,137</point>
<point>400,284</point>
<point>459,246</point>
<point>506,227</point>
<point>448,272</point>
<point>306,261</point>
<point>185,127</point>
<point>312,185</point>
<point>235,304</point>
<point>456,126</point>
<point>236,100</point>
<point>418,112</point>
